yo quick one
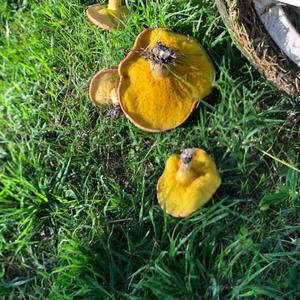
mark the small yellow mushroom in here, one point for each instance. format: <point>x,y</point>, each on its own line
<point>103,87</point>
<point>107,17</point>
<point>163,78</point>
<point>188,182</point>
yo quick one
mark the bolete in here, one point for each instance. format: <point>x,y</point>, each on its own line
<point>162,79</point>
<point>103,87</point>
<point>107,17</point>
<point>188,182</point>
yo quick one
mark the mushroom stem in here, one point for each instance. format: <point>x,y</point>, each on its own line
<point>114,5</point>
<point>185,173</point>
<point>158,70</point>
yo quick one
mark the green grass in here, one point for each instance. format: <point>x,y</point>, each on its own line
<point>78,212</point>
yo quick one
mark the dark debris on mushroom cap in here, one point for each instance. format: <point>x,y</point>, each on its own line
<point>186,156</point>
<point>160,54</point>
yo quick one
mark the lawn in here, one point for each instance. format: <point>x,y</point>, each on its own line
<point>79,217</point>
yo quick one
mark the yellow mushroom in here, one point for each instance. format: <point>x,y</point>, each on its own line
<point>188,182</point>
<point>103,87</point>
<point>107,17</point>
<point>163,78</point>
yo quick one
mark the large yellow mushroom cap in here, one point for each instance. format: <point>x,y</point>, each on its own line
<point>159,96</point>
<point>188,182</point>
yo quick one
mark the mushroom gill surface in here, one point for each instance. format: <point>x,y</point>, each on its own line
<point>103,87</point>
<point>163,78</point>
<point>186,186</point>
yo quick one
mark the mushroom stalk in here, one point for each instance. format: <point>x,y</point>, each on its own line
<point>159,70</point>
<point>115,4</point>
<point>161,57</point>
<point>185,173</point>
